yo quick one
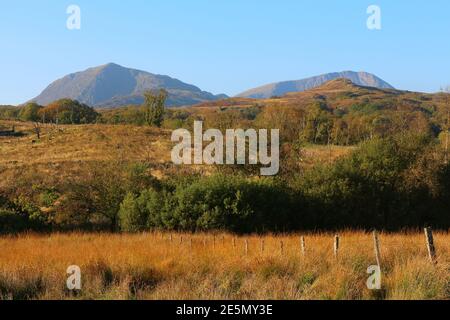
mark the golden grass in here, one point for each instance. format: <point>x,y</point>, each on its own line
<point>151,266</point>
<point>314,154</point>
<point>69,143</point>
<point>64,151</point>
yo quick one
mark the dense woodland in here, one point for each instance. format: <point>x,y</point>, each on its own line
<point>396,177</point>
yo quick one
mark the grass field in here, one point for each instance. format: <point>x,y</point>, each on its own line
<point>152,266</point>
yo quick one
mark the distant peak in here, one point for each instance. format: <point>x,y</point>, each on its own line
<point>361,78</point>
<point>114,85</point>
<point>111,65</point>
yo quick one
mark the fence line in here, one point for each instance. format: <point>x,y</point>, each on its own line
<point>430,244</point>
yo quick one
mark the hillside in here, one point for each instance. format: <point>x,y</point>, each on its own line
<point>340,94</point>
<point>112,85</point>
<point>281,88</point>
<point>339,112</point>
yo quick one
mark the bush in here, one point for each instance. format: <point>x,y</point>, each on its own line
<point>96,197</point>
<point>36,219</point>
<point>138,213</point>
<point>210,203</point>
<point>19,216</point>
<point>367,189</point>
<point>11,222</point>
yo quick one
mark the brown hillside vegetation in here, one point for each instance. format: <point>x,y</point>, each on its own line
<point>68,147</point>
<point>63,149</point>
<point>68,143</point>
<point>340,93</point>
<point>338,113</point>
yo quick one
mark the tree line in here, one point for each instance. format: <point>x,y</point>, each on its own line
<point>68,111</point>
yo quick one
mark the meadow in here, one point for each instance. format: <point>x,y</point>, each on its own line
<point>218,266</point>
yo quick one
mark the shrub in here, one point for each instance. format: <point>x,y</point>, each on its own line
<point>132,215</point>
<point>36,219</point>
<point>11,222</point>
<point>210,203</point>
<point>138,213</point>
<point>96,197</point>
<point>227,203</point>
<point>366,189</point>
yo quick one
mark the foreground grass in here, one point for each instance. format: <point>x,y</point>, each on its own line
<point>152,266</point>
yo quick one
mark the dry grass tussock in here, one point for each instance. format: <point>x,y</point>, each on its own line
<point>152,266</point>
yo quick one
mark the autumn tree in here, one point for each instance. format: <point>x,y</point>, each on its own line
<point>67,111</point>
<point>30,112</point>
<point>155,106</point>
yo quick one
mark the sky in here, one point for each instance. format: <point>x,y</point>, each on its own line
<point>224,46</point>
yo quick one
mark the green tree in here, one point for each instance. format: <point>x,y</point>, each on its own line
<point>139,213</point>
<point>132,215</point>
<point>97,195</point>
<point>30,112</point>
<point>155,106</point>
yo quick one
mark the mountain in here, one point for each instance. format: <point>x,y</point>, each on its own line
<point>281,88</point>
<point>112,85</point>
<point>340,93</point>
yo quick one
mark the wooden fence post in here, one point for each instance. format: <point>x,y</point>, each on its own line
<point>181,239</point>
<point>246,247</point>
<point>281,247</point>
<point>336,246</point>
<point>430,244</point>
<point>303,245</point>
<point>262,245</point>
<point>376,243</point>
<point>234,242</point>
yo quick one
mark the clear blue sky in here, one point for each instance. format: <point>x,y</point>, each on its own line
<point>224,46</point>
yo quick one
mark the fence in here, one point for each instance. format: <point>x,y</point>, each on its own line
<point>335,245</point>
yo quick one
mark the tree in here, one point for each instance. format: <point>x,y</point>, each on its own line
<point>139,213</point>
<point>30,112</point>
<point>154,105</point>
<point>37,129</point>
<point>67,111</point>
<point>97,195</point>
<point>132,215</point>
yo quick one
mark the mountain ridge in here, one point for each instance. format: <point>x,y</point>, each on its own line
<point>281,88</point>
<point>112,85</point>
